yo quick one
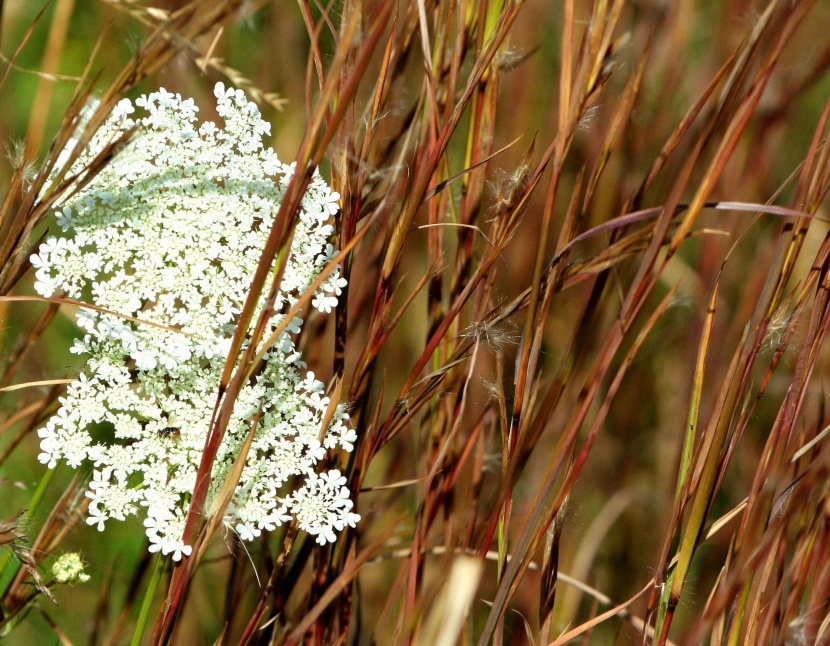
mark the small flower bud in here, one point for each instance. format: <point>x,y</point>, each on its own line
<point>69,568</point>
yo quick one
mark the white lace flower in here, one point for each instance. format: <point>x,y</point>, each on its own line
<point>246,532</point>
<point>322,506</point>
<point>69,569</point>
<point>96,517</point>
<point>170,233</point>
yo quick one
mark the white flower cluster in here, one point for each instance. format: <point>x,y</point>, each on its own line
<point>171,232</point>
<point>69,568</point>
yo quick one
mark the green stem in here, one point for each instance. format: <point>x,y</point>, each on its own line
<point>149,596</point>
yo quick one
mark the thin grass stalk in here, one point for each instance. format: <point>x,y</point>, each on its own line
<point>424,173</point>
<point>709,463</point>
<point>543,507</point>
<point>704,485</point>
<point>55,44</point>
<point>35,412</point>
<point>742,114</point>
<point>149,598</point>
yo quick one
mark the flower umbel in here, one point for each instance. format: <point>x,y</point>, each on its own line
<point>171,233</point>
<point>69,568</point>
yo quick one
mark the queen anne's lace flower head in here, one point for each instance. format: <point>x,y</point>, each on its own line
<point>69,568</point>
<point>171,232</point>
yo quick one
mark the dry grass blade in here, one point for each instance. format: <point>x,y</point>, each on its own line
<point>349,572</point>
<point>448,614</point>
